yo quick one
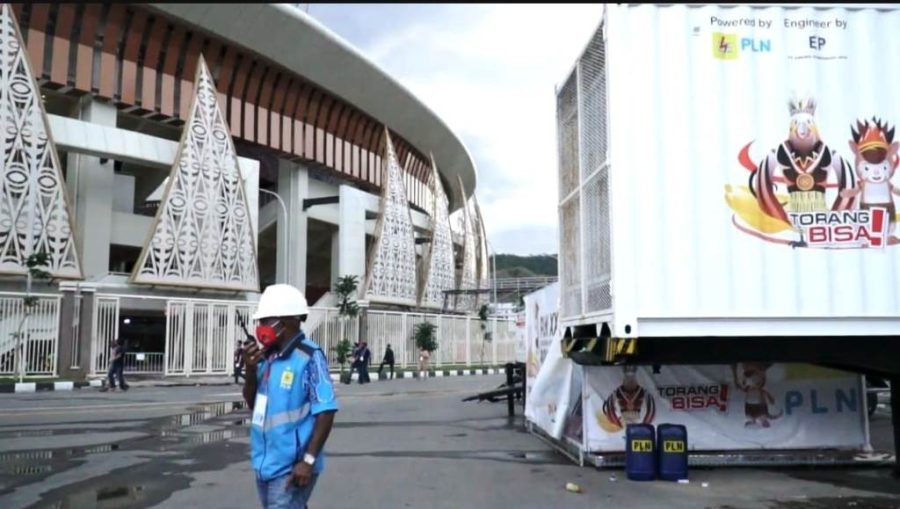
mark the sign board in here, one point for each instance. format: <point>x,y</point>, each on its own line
<point>742,407</point>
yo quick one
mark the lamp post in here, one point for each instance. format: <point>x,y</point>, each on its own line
<point>494,270</point>
<point>287,234</point>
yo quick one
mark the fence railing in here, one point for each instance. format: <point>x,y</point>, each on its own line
<point>144,362</point>
<point>28,346</point>
<point>461,340</point>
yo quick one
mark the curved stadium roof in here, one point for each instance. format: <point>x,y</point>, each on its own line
<point>291,38</point>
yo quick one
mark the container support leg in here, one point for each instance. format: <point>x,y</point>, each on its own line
<point>895,417</point>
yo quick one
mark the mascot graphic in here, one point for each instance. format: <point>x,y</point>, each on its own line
<point>803,163</point>
<point>628,404</point>
<point>875,162</point>
<point>757,398</point>
<point>804,194</point>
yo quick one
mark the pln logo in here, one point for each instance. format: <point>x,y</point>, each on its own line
<point>729,46</point>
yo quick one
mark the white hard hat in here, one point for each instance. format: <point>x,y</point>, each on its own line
<point>281,300</point>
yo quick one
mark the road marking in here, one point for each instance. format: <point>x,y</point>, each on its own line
<point>179,405</point>
<point>117,406</point>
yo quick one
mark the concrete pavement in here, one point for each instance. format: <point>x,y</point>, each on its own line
<point>402,444</point>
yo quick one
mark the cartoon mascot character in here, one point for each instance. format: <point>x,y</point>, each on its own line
<point>628,404</point>
<point>876,161</point>
<point>757,398</point>
<point>803,161</point>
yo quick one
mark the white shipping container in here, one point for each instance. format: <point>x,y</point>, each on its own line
<point>722,172</point>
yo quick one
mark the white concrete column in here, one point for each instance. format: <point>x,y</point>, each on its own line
<point>349,256</point>
<point>335,257</point>
<point>91,191</point>
<point>293,187</point>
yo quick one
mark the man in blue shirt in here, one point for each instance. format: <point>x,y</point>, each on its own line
<point>289,389</point>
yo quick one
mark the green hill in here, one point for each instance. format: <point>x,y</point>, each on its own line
<point>509,265</point>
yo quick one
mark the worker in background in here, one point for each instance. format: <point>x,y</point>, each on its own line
<point>289,389</point>
<point>389,360</point>
<point>365,357</point>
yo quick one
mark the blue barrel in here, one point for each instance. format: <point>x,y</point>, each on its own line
<point>640,452</point>
<point>672,444</point>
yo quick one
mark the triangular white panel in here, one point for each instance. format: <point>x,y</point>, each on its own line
<point>440,271</point>
<point>484,270</point>
<point>391,278</point>
<point>467,276</point>
<point>34,211</point>
<point>202,236</point>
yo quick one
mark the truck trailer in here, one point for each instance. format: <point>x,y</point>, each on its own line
<point>728,187</point>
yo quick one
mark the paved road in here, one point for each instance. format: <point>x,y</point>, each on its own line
<point>402,444</point>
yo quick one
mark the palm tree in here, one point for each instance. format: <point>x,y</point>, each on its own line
<point>425,337</point>
<point>348,309</point>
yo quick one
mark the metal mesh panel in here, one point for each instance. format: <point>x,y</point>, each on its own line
<point>595,193</point>
<point>592,107</point>
<point>567,132</point>
<point>596,242</point>
<point>570,244</point>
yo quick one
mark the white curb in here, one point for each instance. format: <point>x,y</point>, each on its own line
<point>26,387</point>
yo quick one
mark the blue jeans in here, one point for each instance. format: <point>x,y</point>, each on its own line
<point>117,369</point>
<point>273,495</point>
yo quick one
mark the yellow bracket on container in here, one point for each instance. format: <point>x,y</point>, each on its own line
<point>621,346</point>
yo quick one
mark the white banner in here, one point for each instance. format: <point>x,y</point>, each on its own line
<point>743,407</point>
<point>548,402</point>
<point>541,313</point>
<point>553,384</point>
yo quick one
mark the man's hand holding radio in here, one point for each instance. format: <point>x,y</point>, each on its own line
<point>252,355</point>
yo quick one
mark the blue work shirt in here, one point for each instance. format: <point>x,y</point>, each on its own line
<point>297,388</point>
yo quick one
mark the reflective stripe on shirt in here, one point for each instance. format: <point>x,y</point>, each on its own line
<point>289,417</point>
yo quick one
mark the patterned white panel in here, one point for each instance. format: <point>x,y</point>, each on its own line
<point>391,278</point>
<point>34,212</point>
<point>440,271</point>
<point>484,268</point>
<point>203,236</point>
<point>467,276</point>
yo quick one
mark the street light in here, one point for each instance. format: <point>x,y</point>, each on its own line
<point>287,234</point>
<point>494,264</point>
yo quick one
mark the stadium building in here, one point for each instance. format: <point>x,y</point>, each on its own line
<point>163,163</point>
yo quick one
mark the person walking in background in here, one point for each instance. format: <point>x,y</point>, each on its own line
<point>389,360</point>
<point>354,361</point>
<point>117,367</point>
<point>365,357</point>
<point>424,357</point>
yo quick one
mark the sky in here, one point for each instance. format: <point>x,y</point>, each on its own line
<point>490,72</point>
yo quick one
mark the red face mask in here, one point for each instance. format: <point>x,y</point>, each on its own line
<point>267,334</point>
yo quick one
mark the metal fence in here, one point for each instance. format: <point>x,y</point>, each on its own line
<point>201,335</point>
<point>76,333</point>
<point>326,327</point>
<point>144,362</point>
<point>28,346</point>
<point>461,339</point>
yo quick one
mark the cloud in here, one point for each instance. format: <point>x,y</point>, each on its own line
<point>489,71</point>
